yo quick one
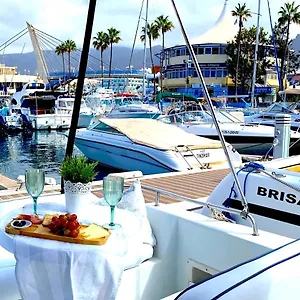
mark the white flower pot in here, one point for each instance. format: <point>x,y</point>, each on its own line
<point>77,196</point>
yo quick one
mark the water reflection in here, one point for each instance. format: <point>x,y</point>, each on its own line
<point>42,150</point>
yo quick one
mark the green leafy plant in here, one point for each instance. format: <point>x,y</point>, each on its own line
<point>78,169</point>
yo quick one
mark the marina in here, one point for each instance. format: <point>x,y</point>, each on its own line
<point>178,181</point>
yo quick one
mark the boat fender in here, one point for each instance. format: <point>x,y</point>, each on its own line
<point>25,121</point>
<point>2,121</point>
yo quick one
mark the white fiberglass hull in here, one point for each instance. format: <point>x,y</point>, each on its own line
<point>120,152</point>
<point>246,138</point>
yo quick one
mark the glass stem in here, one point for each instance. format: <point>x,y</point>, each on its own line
<point>34,205</point>
<point>112,215</point>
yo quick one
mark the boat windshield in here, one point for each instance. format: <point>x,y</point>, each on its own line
<point>105,128</point>
<point>198,117</point>
<point>278,108</point>
<point>127,101</point>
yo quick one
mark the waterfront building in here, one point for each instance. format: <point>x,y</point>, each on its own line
<point>180,74</point>
<point>11,80</point>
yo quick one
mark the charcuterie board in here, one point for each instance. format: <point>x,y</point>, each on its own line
<point>42,232</point>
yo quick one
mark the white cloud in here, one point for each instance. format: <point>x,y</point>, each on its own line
<point>66,18</point>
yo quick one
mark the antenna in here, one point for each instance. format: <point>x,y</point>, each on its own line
<point>145,49</point>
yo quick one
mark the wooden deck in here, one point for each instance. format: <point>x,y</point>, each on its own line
<point>191,185</point>
<point>7,183</point>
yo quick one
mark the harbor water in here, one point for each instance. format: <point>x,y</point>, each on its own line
<point>43,150</point>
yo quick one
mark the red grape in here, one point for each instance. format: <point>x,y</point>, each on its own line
<point>73,217</point>
<point>74,233</point>
<point>57,223</point>
<point>64,223</point>
<point>54,219</point>
<point>71,225</point>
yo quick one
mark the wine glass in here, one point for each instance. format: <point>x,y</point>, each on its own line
<point>113,191</point>
<point>34,181</point>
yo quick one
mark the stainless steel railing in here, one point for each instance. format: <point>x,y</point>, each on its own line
<point>240,213</point>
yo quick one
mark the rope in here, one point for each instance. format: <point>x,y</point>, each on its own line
<point>219,215</point>
<point>136,33</point>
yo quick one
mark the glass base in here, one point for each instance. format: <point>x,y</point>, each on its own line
<point>112,227</point>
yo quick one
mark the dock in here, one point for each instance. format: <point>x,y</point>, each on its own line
<point>194,185</point>
<point>7,183</point>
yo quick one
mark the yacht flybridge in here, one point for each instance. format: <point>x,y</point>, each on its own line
<point>150,146</point>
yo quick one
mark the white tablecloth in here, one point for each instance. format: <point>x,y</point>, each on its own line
<point>56,270</point>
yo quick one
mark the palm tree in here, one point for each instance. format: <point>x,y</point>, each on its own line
<point>289,13</point>
<point>60,50</point>
<point>164,25</point>
<point>241,13</point>
<point>69,47</point>
<point>152,34</point>
<point>101,43</point>
<point>113,38</point>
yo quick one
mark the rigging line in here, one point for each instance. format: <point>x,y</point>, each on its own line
<point>6,45</point>
<point>13,37</point>
<point>136,33</point>
<point>76,52</point>
<point>79,50</point>
<point>49,42</point>
<point>49,56</point>
<point>245,211</point>
<point>133,46</point>
<point>44,49</point>
<point>51,50</point>
<point>275,49</point>
<point>49,35</point>
<point>14,74</point>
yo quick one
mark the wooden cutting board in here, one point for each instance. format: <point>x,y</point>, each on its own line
<point>42,232</point>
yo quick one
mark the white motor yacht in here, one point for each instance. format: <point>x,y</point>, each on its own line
<point>268,116</point>
<point>64,106</point>
<point>132,107</point>
<point>150,146</point>
<point>255,139</point>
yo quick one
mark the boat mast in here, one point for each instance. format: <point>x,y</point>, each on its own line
<point>145,49</point>
<point>81,76</point>
<point>216,122</point>
<point>41,62</point>
<point>255,56</point>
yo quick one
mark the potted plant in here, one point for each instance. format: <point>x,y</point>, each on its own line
<point>78,175</point>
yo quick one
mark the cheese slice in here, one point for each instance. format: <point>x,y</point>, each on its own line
<point>93,232</point>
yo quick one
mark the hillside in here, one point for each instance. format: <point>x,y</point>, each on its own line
<point>121,55</point>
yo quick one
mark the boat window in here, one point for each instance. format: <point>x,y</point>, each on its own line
<point>70,103</point>
<point>105,128</point>
<point>62,103</point>
<point>215,50</point>
<point>35,86</point>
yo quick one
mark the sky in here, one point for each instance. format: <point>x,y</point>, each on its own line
<point>65,19</point>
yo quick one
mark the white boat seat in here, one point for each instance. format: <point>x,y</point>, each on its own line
<point>7,259</point>
<point>273,276</point>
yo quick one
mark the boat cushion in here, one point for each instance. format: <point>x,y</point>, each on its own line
<point>133,200</point>
<point>162,136</point>
<point>274,275</point>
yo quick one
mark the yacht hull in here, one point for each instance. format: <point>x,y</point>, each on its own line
<point>246,139</point>
<point>120,152</point>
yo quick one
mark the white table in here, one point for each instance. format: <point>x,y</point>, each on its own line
<point>125,243</point>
